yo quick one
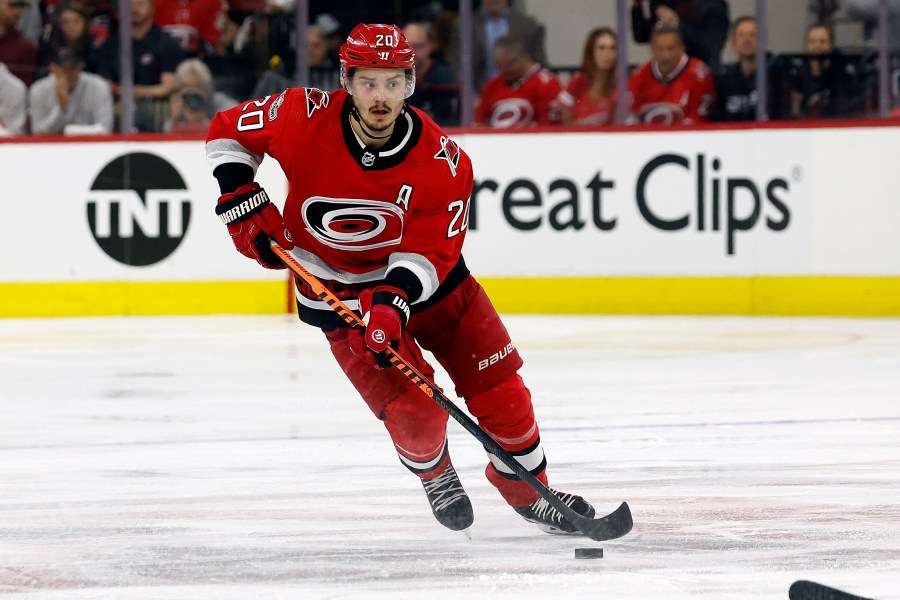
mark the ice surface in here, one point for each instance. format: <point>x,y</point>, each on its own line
<point>227,457</point>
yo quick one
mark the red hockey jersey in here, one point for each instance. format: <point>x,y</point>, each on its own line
<point>191,23</point>
<point>355,213</point>
<point>536,99</point>
<point>684,96</point>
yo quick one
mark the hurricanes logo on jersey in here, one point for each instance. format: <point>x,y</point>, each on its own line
<point>315,99</point>
<point>512,112</point>
<point>350,224</point>
<point>661,113</point>
<point>450,152</point>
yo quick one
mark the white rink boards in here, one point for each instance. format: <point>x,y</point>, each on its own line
<point>226,457</point>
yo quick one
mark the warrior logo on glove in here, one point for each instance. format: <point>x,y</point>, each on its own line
<point>252,220</point>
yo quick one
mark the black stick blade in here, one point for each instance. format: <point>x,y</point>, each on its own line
<point>810,590</point>
<point>612,526</point>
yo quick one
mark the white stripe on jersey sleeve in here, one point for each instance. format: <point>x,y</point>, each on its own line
<point>222,151</point>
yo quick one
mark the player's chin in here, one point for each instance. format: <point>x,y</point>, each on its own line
<point>381,120</point>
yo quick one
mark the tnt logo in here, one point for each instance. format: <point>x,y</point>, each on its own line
<point>138,209</point>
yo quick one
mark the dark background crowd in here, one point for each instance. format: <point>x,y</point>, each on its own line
<point>59,63</point>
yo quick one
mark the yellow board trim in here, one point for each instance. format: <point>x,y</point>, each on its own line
<point>105,298</point>
<point>794,296</point>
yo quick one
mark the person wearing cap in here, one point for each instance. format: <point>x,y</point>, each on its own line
<point>70,100</point>
<point>17,52</point>
<point>378,209</point>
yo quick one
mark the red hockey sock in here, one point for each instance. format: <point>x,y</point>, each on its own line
<point>505,412</point>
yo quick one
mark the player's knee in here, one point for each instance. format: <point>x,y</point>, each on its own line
<point>416,423</point>
<point>508,403</point>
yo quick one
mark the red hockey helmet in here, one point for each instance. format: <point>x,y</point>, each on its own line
<point>377,46</point>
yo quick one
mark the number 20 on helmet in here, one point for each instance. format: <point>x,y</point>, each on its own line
<point>377,46</point>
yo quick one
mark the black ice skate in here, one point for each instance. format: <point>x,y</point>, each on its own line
<point>549,519</point>
<point>449,501</point>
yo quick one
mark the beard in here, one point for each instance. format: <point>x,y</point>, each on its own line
<point>379,125</point>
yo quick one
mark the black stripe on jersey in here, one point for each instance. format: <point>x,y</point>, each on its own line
<point>394,151</point>
<point>408,462</point>
<point>526,451</point>
<point>511,476</point>
<point>328,320</point>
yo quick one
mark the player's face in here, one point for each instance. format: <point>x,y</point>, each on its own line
<point>667,50</point>
<point>378,95</point>
<point>605,52</point>
<point>744,40</point>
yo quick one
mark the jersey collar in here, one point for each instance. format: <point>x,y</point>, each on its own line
<point>675,72</point>
<point>406,134</point>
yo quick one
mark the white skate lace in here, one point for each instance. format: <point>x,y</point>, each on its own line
<point>444,490</point>
<point>545,512</point>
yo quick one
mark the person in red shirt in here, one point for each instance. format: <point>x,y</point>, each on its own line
<point>17,52</point>
<point>671,88</point>
<point>522,94</point>
<point>378,210</point>
<point>195,24</point>
<point>593,87</point>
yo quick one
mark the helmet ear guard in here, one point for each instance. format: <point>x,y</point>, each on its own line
<point>377,46</point>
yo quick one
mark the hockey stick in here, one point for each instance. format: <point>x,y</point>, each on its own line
<point>612,526</point>
<point>810,590</point>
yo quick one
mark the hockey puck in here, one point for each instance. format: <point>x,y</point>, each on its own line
<point>588,552</point>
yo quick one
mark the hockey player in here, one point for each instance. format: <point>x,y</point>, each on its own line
<point>377,209</point>
<point>671,88</point>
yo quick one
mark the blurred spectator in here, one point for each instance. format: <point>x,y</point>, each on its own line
<point>703,25</point>
<point>244,45</point>
<point>437,91</point>
<point>12,103</point>
<point>867,12</point>
<point>195,24</point>
<point>155,55</point>
<point>69,100</point>
<point>70,26</point>
<point>735,84</point>
<point>195,103</point>
<point>825,83</point>
<point>821,12</point>
<point>31,23</point>
<point>17,52</point>
<point>593,87</point>
<point>324,73</point>
<point>523,93</point>
<point>323,70</point>
<point>494,20</point>
<point>330,29</point>
<point>671,88</point>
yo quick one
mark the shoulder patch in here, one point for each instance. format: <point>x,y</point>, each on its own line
<point>450,152</point>
<point>273,110</point>
<point>315,99</point>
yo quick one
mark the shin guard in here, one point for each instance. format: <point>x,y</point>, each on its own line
<point>505,412</point>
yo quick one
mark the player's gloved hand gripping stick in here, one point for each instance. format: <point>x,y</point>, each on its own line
<point>612,526</point>
<point>251,220</point>
<point>385,313</point>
